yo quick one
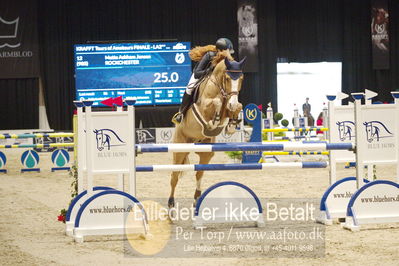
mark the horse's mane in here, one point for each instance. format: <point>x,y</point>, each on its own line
<point>198,52</point>
<point>221,56</point>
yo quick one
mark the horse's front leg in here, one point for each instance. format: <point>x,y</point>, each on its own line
<point>234,121</point>
<point>217,104</point>
<point>178,158</point>
<point>205,158</point>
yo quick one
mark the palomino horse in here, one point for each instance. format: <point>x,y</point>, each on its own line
<point>216,109</point>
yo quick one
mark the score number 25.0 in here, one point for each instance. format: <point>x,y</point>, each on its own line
<point>165,77</point>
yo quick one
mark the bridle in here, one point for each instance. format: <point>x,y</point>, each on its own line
<point>222,88</point>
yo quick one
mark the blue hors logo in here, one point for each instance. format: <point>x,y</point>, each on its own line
<point>179,46</point>
<point>251,114</point>
<point>143,136</point>
<point>179,58</point>
<point>106,138</point>
<point>376,130</point>
<point>8,30</point>
<point>346,130</point>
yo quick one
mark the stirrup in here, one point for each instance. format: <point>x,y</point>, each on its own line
<point>177,118</point>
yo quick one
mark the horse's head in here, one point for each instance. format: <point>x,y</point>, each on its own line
<point>232,82</point>
<point>99,139</point>
<point>343,130</point>
<point>371,131</point>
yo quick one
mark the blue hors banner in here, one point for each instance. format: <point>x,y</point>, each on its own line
<point>151,73</point>
<point>19,56</point>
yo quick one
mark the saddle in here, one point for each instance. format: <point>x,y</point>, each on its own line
<point>199,82</point>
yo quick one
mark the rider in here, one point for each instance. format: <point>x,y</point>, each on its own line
<point>205,56</point>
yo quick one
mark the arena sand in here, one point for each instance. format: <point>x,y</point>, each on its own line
<point>31,235</point>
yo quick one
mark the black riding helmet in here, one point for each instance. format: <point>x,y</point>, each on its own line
<point>224,44</point>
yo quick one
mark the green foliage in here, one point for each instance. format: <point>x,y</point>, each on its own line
<point>278,117</point>
<point>236,155</point>
<point>275,134</point>
<point>284,122</point>
<point>279,134</point>
<point>374,177</point>
<point>264,136</point>
<point>73,173</point>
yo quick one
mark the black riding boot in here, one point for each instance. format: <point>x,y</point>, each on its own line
<point>186,102</point>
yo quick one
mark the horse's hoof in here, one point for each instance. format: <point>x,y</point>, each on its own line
<point>172,213</point>
<point>197,194</point>
<point>171,203</point>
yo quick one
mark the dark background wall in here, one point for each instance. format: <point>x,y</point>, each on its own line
<point>295,30</point>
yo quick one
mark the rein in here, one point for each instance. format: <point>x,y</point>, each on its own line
<point>222,89</point>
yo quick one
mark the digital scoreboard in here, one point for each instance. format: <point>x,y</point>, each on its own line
<point>152,73</point>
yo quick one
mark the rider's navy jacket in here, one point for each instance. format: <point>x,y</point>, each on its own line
<point>203,65</point>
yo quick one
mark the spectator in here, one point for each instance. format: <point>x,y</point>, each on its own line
<point>319,122</point>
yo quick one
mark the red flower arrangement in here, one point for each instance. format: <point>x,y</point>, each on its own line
<point>61,217</point>
<point>74,191</point>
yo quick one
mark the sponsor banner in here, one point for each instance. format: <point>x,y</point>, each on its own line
<point>50,140</point>
<point>343,130</point>
<point>164,134</point>
<point>108,144</point>
<point>145,135</point>
<point>379,128</point>
<point>380,34</point>
<point>19,57</point>
<point>225,138</point>
<point>248,33</point>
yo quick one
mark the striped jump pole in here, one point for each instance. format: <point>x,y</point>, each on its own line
<point>225,167</point>
<point>45,145</point>
<point>297,137</point>
<point>296,153</point>
<point>36,135</point>
<point>250,146</point>
<point>295,129</point>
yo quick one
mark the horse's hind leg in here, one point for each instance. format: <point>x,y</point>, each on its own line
<point>178,158</point>
<point>205,158</point>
